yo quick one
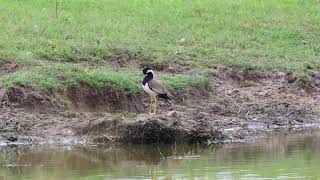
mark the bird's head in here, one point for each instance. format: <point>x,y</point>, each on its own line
<point>148,72</point>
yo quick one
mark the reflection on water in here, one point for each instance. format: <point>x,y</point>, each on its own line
<point>294,156</point>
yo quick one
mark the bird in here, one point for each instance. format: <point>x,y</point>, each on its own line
<point>154,88</point>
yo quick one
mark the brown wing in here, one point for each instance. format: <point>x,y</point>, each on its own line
<point>158,87</point>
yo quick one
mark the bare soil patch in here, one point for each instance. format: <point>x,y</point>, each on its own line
<point>127,59</point>
<point>20,97</point>
<point>8,67</point>
<point>108,99</point>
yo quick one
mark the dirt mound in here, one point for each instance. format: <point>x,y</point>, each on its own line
<point>148,129</point>
<point>167,130</point>
<point>8,67</point>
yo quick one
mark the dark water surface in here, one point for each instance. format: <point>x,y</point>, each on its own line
<point>293,156</point>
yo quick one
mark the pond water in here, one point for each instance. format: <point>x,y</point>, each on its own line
<point>282,156</point>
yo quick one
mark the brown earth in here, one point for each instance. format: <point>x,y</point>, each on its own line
<point>8,67</point>
<point>244,104</point>
<point>127,59</point>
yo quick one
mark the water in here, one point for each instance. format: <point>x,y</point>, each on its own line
<point>294,156</point>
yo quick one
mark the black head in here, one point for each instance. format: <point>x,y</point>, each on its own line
<point>145,70</point>
<point>148,72</point>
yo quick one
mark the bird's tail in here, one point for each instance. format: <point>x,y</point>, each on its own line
<point>167,97</point>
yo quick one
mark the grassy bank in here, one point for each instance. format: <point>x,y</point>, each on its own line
<point>250,33</point>
<point>60,77</point>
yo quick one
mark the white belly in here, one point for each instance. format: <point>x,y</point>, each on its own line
<point>148,90</point>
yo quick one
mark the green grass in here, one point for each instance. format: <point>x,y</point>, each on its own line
<point>60,77</point>
<point>247,33</point>
<point>178,82</point>
<point>262,34</point>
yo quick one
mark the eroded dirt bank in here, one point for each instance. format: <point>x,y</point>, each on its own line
<point>242,105</point>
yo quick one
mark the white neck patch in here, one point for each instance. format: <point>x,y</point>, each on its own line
<point>150,71</point>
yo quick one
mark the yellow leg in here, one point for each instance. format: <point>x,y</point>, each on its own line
<point>153,173</point>
<point>151,104</point>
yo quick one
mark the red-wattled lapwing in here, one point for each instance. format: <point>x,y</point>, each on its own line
<point>154,88</point>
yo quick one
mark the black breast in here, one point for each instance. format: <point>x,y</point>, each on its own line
<point>146,79</point>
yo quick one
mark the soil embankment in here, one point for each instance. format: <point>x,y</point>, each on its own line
<point>242,105</point>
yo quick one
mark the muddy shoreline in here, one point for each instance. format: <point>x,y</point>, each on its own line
<point>242,105</point>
